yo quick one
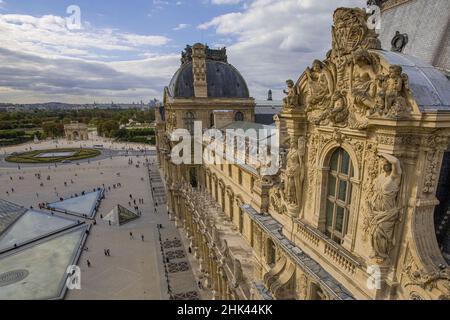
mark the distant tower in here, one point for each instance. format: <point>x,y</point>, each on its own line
<point>269,96</point>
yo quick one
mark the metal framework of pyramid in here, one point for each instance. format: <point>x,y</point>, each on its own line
<point>36,248</point>
<point>120,216</point>
<point>84,205</point>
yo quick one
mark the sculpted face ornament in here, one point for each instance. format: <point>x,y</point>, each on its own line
<point>387,167</point>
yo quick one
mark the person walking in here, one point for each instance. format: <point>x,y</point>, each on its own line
<point>131,236</point>
<point>142,237</point>
<point>88,263</point>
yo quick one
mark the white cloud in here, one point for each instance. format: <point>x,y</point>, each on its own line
<point>181,26</point>
<point>276,40</point>
<point>46,34</point>
<point>42,60</point>
<point>220,2</point>
<point>269,41</point>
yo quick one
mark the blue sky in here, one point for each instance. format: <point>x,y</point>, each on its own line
<point>128,50</point>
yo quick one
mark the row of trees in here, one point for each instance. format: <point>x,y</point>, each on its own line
<point>146,135</point>
<point>53,129</point>
<point>108,128</point>
<point>13,137</point>
<point>21,126</point>
<point>36,118</point>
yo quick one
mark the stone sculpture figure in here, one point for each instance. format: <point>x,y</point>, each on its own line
<point>295,171</point>
<point>292,99</point>
<point>339,111</point>
<point>320,86</point>
<point>383,208</point>
<point>363,81</point>
<point>395,103</point>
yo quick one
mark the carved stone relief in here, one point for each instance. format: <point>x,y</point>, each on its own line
<point>351,85</point>
<point>384,208</point>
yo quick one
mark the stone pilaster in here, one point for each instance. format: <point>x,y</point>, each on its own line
<point>199,71</point>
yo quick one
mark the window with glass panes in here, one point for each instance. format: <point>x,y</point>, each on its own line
<point>189,120</point>
<point>339,195</point>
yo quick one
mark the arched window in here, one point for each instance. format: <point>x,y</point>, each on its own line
<point>339,195</point>
<point>239,116</point>
<point>190,118</point>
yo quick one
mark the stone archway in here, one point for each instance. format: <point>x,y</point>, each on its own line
<point>76,131</point>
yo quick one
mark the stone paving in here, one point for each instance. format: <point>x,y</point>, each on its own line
<point>135,268</point>
<point>178,265</point>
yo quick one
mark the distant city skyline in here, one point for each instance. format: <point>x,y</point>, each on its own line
<point>126,53</point>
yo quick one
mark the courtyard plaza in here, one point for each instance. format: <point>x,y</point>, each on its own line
<point>153,263</point>
<point>109,147</point>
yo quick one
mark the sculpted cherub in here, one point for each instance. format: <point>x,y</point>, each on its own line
<point>292,99</point>
<point>395,103</point>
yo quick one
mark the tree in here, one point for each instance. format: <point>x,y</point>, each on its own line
<point>53,129</point>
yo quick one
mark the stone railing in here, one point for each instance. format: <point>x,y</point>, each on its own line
<point>341,259</point>
<point>327,248</point>
<point>308,234</point>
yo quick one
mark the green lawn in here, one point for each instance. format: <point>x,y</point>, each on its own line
<point>31,156</point>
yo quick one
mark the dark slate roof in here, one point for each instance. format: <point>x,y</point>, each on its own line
<point>264,113</point>
<point>429,85</point>
<point>224,81</point>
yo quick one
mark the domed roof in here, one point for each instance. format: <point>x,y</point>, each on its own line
<point>224,81</point>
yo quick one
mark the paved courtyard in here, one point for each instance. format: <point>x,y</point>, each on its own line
<point>137,265</point>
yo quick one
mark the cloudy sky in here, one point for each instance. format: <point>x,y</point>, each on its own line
<point>126,51</point>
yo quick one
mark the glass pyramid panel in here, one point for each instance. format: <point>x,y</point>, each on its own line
<point>32,225</point>
<point>39,272</point>
<point>82,205</point>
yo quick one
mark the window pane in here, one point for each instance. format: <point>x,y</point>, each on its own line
<point>331,185</point>
<point>339,219</point>
<point>342,190</point>
<point>345,167</point>
<point>350,194</point>
<point>334,160</point>
<point>330,207</point>
<point>337,239</point>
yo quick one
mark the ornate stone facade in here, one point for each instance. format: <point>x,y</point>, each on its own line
<point>350,213</point>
